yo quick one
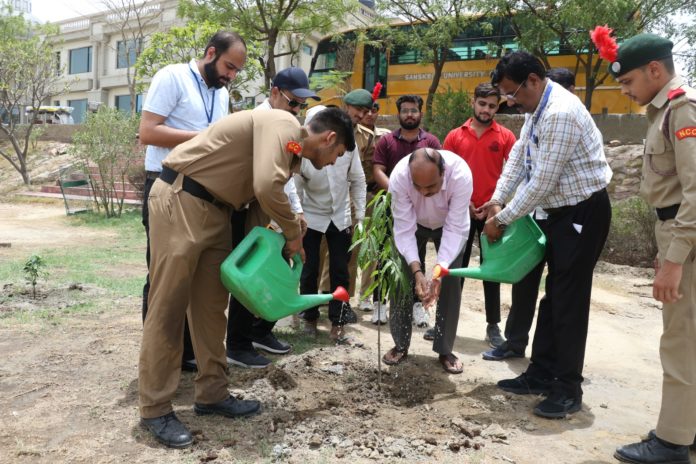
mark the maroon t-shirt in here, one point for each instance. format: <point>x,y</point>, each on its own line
<point>391,148</point>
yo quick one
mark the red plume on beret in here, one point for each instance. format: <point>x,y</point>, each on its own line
<point>605,43</point>
<point>376,91</point>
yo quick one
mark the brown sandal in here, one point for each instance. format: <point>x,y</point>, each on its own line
<point>450,363</point>
<point>394,357</point>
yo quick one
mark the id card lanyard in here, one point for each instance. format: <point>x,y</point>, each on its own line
<point>208,114</point>
<point>532,137</point>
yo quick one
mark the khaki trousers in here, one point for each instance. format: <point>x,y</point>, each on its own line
<point>189,239</point>
<point>677,421</point>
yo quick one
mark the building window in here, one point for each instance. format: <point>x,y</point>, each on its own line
<point>79,110</point>
<point>127,52</point>
<point>59,71</point>
<point>123,103</point>
<point>307,49</point>
<point>80,60</point>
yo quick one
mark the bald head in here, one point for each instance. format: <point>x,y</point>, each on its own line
<point>427,170</point>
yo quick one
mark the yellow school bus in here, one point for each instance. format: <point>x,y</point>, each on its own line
<point>470,62</point>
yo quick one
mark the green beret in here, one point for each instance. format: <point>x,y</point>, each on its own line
<point>638,51</point>
<point>359,97</point>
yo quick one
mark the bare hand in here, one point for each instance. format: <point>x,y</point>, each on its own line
<point>292,247</point>
<point>422,287</point>
<point>492,231</point>
<point>434,292</point>
<point>667,279</point>
<point>488,209</point>
<point>303,223</point>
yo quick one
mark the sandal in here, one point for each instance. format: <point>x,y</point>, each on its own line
<point>451,364</point>
<point>394,357</point>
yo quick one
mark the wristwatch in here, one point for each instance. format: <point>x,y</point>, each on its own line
<point>497,223</point>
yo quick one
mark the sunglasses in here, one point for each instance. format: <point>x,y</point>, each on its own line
<point>294,103</point>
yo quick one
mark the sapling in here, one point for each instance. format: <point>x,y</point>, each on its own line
<point>34,269</point>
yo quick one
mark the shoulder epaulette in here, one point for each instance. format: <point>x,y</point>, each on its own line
<point>674,93</point>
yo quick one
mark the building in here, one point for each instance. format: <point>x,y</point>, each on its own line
<point>93,56</point>
<point>19,6</point>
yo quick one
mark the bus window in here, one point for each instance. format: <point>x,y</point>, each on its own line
<point>375,69</point>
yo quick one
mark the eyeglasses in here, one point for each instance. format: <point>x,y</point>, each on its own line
<point>409,111</point>
<point>294,103</point>
<point>513,96</point>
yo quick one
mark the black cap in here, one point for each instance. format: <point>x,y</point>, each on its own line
<point>295,80</point>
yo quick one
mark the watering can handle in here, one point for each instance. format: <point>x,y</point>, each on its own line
<point>296,266</point>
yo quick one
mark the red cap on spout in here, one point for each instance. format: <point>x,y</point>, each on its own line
<point>440,271</point>
<point>341,294</point>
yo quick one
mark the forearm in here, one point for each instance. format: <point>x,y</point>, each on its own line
<point>164,136</point>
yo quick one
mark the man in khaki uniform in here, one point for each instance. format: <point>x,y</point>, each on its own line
<point>244,156</point>
<point>645,70</point>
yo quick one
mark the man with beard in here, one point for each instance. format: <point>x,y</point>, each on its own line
<point>558,164</point>
<point>484,145</point>
<point>246,333</point>
<point>431,190</point>
<point>393,147</point>
<point>184,99</point>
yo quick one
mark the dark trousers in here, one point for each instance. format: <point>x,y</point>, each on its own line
<point>338,242</point>
<point>524,302</point>
<point>447,313</point>
<point>491,290</point>
<point>242,326</point>
<point>558,349</point>
<point>188,345</point>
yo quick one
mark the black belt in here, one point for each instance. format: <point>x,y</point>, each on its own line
<point>152,175</point>
<point>189,185</point>
<point>668,212</point>
<point>561,209</point>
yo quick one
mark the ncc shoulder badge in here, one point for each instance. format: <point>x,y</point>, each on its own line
<point>293,148</point>
<point>685,132</point>
<point>674,93</point>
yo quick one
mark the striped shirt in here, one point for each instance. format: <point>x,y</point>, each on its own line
<point>559,161</point>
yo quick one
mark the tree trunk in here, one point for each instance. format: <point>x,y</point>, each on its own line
<point>270,67</point>
<point>438,64</point>
<point>589,84</point>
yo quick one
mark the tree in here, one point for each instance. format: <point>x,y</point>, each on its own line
<point>181,44</point>
<point>544,26</point>
<point>29,75</point>
<point>432,27</point>
<point>135,22</point>
<point>280,25</point>
<point>108,141</point>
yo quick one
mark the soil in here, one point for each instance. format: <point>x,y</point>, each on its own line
<point>68,388</point>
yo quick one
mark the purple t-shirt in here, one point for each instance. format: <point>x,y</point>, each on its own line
<point>391,148</point>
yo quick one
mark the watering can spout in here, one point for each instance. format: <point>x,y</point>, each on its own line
<point>303,302</point>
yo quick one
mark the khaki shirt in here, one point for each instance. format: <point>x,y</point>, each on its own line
<point>669,164</point>
<point>245,156</point>
<point>365,139</point>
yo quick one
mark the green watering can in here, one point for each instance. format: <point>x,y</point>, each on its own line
<point>508,260</point>
<point>257,275</point>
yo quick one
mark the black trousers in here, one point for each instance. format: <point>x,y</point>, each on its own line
<point>575,238</point>
<point>242,326</point>
<point>188,345</point>
<point>491,290</point>
<point>338,242</point>
<point>524,302</point>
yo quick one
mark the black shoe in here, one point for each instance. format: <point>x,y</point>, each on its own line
<point>247,359</point>
<point>653,451</point>
<point>168,430</point>
<point>558,405</point>
<point>652,434</point>
<point>189,366</point>
<point>493,336</point>
<point>271,344</point>
<point>525,385</point>
<point>429,334</point>
<point>501,353</point>
<point>231,407</point>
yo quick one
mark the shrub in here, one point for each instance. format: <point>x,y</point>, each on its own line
<point>451,109</point>
<point>631,238</point>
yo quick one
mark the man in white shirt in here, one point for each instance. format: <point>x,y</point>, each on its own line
<point>246,333</point>
<point>325,198</point>
<point>431,190</point>
<point>182,100</point>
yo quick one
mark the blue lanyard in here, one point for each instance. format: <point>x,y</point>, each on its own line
<point>209,115</point>
<point>532,138</point>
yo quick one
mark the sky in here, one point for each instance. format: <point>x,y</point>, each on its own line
<point>57,10</point>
